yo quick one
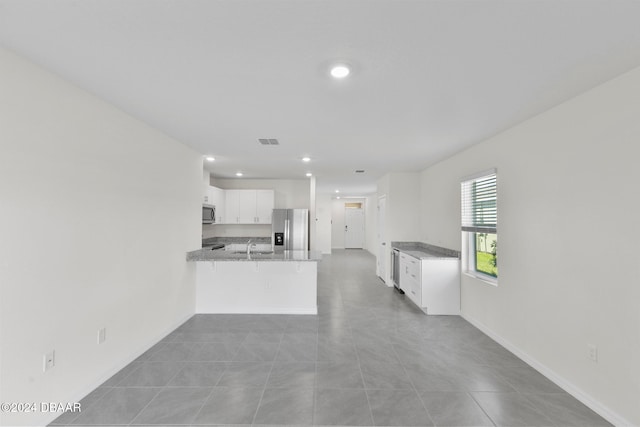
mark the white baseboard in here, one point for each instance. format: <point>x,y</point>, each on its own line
<point>560,381</point>
<point>77,396</point>
<point>260,310</point>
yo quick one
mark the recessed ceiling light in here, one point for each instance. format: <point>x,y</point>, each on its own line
<point>210,158</point>
<point>337,191</point>
<point>306,159</point>
<point>238,173</point>
<point>309,174</point>
<point>340,71</point>
<point>338,197</point>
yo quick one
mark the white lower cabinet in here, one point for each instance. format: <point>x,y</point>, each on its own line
<point>433,284</point>
<point>410,277</point>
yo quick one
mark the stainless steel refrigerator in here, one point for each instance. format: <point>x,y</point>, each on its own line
<point>290,230</point>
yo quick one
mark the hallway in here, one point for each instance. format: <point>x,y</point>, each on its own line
<point>370,357</point>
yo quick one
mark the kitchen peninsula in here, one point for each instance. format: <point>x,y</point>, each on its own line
<point>230,280</point>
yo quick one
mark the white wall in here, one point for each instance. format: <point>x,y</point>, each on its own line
<point>402,215</point>
<point>371,224</point>
<point>337,224</point>
<point>97,213</point>
<point>569,264</point>
<point>288,194</point>
<point>323,223</point>
<point>313,223</point>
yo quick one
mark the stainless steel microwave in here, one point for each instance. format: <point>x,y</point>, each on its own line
<point>208,214</point>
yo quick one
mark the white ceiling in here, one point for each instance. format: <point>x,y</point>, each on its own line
<point>429,77</point>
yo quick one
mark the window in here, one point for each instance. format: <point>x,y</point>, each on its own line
<point>480,226</point>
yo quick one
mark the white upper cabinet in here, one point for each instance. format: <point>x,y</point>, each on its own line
<point>232,207</point>
<point>264,206</point>
<point>248,206</point>
<point>217,197</point>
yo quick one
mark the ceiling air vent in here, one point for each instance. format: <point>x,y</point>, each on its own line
<point>359,171</point>
<point>268,141</point>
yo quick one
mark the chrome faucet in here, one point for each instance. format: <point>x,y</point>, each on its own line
<point>249,247</point>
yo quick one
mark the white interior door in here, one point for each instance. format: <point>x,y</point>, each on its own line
<point>381,263</point>
<point>353,228</point>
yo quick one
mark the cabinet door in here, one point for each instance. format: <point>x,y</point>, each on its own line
<point>206,195</point>
<point>410,281</point>
<point>404,273</point>
<point>218,200</point>
<point>264,206</point>
<point>416,285</point>
<point>232,206</point>
<point>247,207</point>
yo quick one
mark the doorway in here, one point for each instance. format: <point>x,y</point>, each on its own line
<point>382,243</point>
<point>353,226</point>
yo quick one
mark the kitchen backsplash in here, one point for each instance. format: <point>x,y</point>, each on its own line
<point>235,230</point>
<point>229,240</point>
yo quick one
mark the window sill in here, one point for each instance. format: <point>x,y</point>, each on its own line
<point>482,277</point>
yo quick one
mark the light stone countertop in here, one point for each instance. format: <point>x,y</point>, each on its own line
<point>207,254</point>
<point>422,250</point>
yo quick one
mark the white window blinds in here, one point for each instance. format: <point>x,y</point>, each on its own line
<point>480,203</point>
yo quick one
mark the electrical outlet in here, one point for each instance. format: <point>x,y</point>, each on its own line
<point>102,335</point>
<point>49,360</point>
<point>592,352</point>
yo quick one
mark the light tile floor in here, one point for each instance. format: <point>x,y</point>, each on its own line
<point>369,358</point>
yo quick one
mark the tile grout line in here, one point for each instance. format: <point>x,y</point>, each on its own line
<point>414,388</point>
<point>366,394</point>
<point>315,377</point>
<point>481,408</point>
<point>204,402</point>
<point>386,320</point>
<point>145,406</point>
<point>264,389</point>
